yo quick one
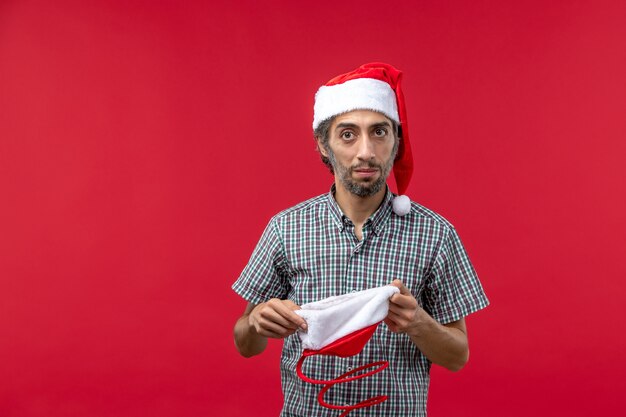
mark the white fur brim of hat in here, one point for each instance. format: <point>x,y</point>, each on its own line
<point>335,317</point>
<point>357,94</point>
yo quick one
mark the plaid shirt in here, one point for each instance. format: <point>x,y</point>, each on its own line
<point>310,252</point>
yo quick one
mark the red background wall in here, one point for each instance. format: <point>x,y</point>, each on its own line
<point>144,145</point>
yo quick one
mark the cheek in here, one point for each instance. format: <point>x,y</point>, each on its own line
<point>385,150</point>
<point>343,154</point>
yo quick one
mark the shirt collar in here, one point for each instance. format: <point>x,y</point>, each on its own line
<point>376,221</point>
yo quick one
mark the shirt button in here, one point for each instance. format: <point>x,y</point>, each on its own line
<point>350,368</point>
<point>357,250</point>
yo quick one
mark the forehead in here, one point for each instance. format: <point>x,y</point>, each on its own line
<point>361,118</point>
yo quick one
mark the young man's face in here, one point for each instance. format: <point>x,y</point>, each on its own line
<point>361,148</point>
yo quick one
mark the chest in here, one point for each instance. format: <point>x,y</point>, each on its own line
<point>330,262</point>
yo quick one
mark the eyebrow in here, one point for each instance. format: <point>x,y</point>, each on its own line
<point>354,125</point>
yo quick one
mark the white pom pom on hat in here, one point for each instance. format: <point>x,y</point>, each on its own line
<point>374,86</point>
<point>401,205</point>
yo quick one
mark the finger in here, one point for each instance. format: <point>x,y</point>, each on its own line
<point>275,335</point>
<point>403,301</point>
<point>400,285</point>
<point>396,308</point>
<point>299,320</point>
<point>277,312</point>
<point>286,310</point>
<point>393,317</point>
<point>396,283</point>
<point>269,329</point>
<point>271,315</point>
<point>291,305</point>
<point>401,316</point>
<point>399,322</point>
<point>396,316</point>
<point>295,320</point>
<point>265,313</point>
<point>391,325</point>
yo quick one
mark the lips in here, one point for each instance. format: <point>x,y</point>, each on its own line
<point>365,172</point>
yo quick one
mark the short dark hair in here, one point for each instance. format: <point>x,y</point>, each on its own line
<point>322,133</point>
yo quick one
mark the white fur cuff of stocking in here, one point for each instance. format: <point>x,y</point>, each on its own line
<point>335,317</point>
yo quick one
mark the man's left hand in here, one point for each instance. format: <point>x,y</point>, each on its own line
<point>403,310</point>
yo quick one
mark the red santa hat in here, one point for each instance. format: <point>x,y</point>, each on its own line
<point>375,86</point>
<point>341,326</point>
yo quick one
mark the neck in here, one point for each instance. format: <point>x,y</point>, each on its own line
<point>358,209</point>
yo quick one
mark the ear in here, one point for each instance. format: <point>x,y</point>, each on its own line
<point>320,147</point>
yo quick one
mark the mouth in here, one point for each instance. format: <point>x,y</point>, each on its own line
<point>365,172</point>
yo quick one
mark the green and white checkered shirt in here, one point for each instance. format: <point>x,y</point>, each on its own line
<point>310,252</point>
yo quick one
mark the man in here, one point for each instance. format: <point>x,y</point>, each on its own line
<point>357,237</point>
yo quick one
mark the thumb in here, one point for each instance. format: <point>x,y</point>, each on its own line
<point>398,284</point>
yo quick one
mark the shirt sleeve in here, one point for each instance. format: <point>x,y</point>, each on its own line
<point>453,290</point>
<point>266,274</point>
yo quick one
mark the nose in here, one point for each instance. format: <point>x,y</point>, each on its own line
<point>366,148</point>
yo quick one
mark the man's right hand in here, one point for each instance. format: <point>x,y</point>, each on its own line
<point>276,318</point>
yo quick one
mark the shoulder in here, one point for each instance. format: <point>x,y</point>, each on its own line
<point>308,209</point>
<point>420,213</point>
<point>439,231</point>
<point>423,222</point>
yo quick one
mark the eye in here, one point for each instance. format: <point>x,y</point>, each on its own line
<point>380,132</point>
<point>347,135</point>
